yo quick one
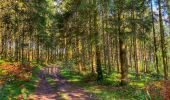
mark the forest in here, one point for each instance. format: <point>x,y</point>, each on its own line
<point>84,49</point>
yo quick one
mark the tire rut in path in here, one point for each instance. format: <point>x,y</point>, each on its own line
<point>44,90</point>
<point>62,90</point>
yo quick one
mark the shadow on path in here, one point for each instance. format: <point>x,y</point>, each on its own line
<point>62,90</point>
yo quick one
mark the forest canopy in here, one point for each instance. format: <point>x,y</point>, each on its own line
<point>89,37</point>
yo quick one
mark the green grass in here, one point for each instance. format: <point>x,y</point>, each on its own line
<point>11,90</point>
<point>50,81</point>
<point>2,61</point>
<point>109,88</point>
<point>71,76</point>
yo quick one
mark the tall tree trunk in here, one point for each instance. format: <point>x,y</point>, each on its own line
<point>135,44</point>
<point>79,48</point>
<point>154,36</point>
<point>163,48</point>
<point>38,50</point>
<point>122,50</point>
<point>97,45</point>
<point>168,8</point>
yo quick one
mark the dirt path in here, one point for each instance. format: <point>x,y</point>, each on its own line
<point>62,90</point>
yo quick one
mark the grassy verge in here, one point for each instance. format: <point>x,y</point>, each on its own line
<point>50,81</point>
<point>109,89</point>
<point>11,90</point>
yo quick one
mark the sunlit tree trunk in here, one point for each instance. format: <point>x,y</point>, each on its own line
<point>163,47</point>
<point>122,50</point>
<point>135,41</point>
<point>97,45</point>
<point>154,37</point>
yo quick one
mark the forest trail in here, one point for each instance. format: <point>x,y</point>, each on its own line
<point>61,90</point>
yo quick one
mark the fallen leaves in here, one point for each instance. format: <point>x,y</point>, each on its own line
<point>165,92</point>
<point>15,71</point>
<point>159,88</point>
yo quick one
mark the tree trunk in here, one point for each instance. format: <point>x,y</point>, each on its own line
<point>154,37</point>
<point>163,47</point>
<point>122,50</point>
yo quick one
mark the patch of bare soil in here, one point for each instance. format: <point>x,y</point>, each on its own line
<point>62,90</point>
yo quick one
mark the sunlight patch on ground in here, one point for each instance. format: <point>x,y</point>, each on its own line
<point>64,96</point>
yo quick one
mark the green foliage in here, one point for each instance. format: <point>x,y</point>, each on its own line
<point>110,89</point>
<point>41,32</point>
<point>70,75</point>
<point>11,90</point>
<point>2,62</point>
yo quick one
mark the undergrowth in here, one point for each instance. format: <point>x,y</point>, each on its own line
<point>109,88</point>
<point>17,88</point>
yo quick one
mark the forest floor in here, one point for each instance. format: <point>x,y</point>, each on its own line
<point>146,88</point>
<point>35,84</point>
<point>57,87</point>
